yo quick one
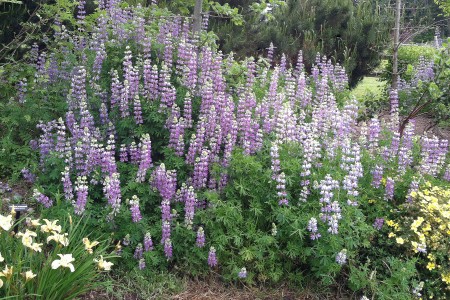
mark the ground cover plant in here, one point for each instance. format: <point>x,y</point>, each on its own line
<point>197,162</point>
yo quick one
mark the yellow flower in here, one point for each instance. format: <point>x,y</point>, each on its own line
<point>446,277</point>
<point>7,272</point>
<point>36,247</point>
<point>399,240</point>
<point>391,234</point>
<point>1,258</point>
<point>51,226</point>
<point>88,245</point>
<point>59,238</point>
<point>27,237</point>
<point>6,222</point>
<point>103,265</point>
<point>413,194</point>
<point>390,223</point>
<point>431,266</point>
<point>28,275</point>
<point>65,261</point>
<point>372,201</point>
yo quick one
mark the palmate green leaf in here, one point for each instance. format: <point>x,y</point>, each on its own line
<point>247,254</point>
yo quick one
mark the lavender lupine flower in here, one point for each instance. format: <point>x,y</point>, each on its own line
<point>413,187</point>
<point>112,192</point>
<point>393,97</point>
<point>134,208</point>
<point>389,192</point>
<point>341,257</point>
<point>283,64</point>
<point>123,153</point>
<point>447,173</point>
<point>28,176</point>
<point>374,134</point>
<point>378,224</point>
<point>189,206</point>
<point>168,248</point>
<point>281,187</point>
<point>377,174</point>
<point>21,90</point>
<point>200,241</point>
<point>135,153</point>
<point>212,259</point>
<point>41,198</point>
<point>242,273</point>
<point>201,165</point>
<point>145,157</point>
<point>82,193</point>
<point>141,264</point>
<point>126,240</point>
<point>326,186</point>
<point>148,243</point>
<point>138,252</point>
<point>312,228</point>
<point>137,110</point>
<point>165,231</point>
<point>67,184</point>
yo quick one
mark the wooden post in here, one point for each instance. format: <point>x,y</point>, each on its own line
<point>398,8</point>
<point>198,16</point>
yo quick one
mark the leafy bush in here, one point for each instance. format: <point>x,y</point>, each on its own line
<point>199,163</point>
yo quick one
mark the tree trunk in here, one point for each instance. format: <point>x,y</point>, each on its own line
<point>396,45</point>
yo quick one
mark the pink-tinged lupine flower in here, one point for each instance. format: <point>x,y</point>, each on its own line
<point>212,259</point>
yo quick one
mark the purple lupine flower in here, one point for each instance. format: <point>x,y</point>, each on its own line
<point>312,227</point>
<point>135,153</point>
<point>377,174</point>
<point>165,231</point>
<point>189,206</point>
<point>341,257</point>
<point>378,223</point>
<point>82,193</point>
<point>201,165</point>
<point>242,273</point>
<point>141,264</point>
<point>200,241</point>
<point>148,243</point>
<point>67,184</point>
<point>374,134</point>
<point>413,187</point>
<point>41,198</point>
<point>212,259</point>
<point>145,157</point>
<point>137,110</point>
<point>138,252</point>
<point>112,192</point>
<point>28,176</point>
<point>123,153</point>
<point>21,90</point>
<point>134,208</point>
<point>389,192</point>
<point>168,248</point>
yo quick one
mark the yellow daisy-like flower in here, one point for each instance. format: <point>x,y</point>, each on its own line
<point>28,275</point>
<point>446,277</point>
<point>35,223</point>
<point>400,240</point>
<point>6,222</point>
<point>103,264</point>
<point>89,245</point>
<point>431,266</point>
<point>1,258</point>
<point>65,261</point>
<point>391,235</point>
<point>59,238</point>
<point>7,272</point>
<point>50,226</point>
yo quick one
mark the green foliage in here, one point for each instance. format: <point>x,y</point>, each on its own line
<point>351,34</point>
